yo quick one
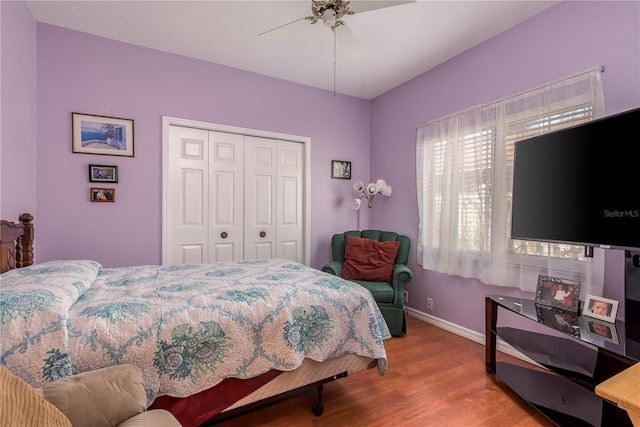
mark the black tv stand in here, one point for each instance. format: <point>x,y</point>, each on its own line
<point>571,360</point>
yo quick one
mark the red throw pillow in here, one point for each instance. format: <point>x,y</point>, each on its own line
<point>367,259</point>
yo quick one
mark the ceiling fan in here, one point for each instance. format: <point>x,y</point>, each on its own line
<point>331,12</point>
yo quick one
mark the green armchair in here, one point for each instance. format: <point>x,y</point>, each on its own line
<point>388,296</point>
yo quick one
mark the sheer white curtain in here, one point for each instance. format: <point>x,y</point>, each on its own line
<point>464,173</point>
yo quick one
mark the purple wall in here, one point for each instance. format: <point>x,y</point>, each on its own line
<point>17,114</point>
<point>78,72</point>
<point>563,40</point>
<point>84,73</point>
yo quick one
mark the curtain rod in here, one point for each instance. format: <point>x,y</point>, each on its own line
<point>590,70</point>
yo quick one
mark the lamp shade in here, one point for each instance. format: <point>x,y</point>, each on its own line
<point>368,193</point>
<point>372,188</point>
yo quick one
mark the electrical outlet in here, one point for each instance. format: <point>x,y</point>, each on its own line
<point>429,303</point>
<point>406,297</point>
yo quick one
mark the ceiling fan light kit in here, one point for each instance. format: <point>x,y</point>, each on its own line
<point>329,18</point>
<point>329,12</point>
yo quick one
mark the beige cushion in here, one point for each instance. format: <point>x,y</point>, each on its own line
<point>22,406</point>
<point>153,418</point>
<point>100,398</point>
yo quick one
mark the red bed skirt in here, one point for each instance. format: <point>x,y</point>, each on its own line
<point>195,410</point>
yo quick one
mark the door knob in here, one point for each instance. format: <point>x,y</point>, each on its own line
<point>262,234</point>
<point>224,234</point>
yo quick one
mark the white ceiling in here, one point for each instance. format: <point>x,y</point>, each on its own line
<point>400,42</point>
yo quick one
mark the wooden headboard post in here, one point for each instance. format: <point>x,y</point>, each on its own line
<point>24,245</point>
<point>16,242</point>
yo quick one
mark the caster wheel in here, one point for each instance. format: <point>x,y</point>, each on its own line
<point>317,409</point>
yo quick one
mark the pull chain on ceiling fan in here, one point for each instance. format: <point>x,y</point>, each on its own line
<point>331,12</point>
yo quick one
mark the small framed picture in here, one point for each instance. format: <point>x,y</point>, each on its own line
<point>340,169</point>
<point>560,293</point>
<point>560,320</point>
<point>600,329</point>
<point>103,194</point>
<point>101,173</point>
<point>93,134</point>
<point>600,308</point>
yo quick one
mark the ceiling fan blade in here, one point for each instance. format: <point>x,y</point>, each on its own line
<point>284,25</point>
<point>359,6</point>
<point>350,43</point>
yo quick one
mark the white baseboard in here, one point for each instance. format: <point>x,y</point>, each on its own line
<point>501,345</point>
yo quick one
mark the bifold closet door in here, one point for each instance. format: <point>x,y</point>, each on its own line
<point>226,196</point>
<point>273,199</point>
<point>186,209</point>
<point>289,213</point>
<point>260,198</point>
<point>232,197</point>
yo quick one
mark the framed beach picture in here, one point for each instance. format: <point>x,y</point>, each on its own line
<point>600,308</point>
<point>93,134</point>
<point>103,194</point>
<point>102,173</point>
<point>560,293</point>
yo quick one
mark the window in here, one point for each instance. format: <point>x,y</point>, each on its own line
<point>465,171</point>
<point>524,129</point>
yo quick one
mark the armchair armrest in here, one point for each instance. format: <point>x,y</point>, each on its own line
<point>401,273</point>
<point>334,267</point>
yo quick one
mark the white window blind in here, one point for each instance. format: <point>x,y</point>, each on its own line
<point>465,172</point>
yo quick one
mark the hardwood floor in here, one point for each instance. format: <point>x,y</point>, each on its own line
<point>434,378</point>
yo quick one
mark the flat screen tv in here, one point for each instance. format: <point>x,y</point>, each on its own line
<point>580,185</point>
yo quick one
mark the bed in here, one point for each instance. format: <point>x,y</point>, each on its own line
<point>211,339</point>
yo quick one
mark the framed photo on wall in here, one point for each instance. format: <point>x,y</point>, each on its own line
<point>560,293</point>
<point>340,169</point>
<point>102,173</point>
<point>103,194</point>
<point>600,308</point>
<point>91,134</point>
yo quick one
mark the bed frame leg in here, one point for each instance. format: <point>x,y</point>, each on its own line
<point>318,407</point>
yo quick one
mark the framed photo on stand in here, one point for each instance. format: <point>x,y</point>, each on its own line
<point>600,308</point>
<point>560,293</point>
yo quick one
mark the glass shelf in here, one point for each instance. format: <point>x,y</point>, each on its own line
<point>610,336</point>
<point>572,355</point>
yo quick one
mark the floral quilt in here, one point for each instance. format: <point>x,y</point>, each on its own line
<point>187,327</point>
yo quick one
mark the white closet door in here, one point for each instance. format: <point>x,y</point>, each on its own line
<point>188,196</point>
<point>289,201</point>
<point>231,196</point>
<point>260,196</point>
<point>226,178</point>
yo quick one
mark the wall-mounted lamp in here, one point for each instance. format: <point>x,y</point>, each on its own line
<point>368,193</point>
